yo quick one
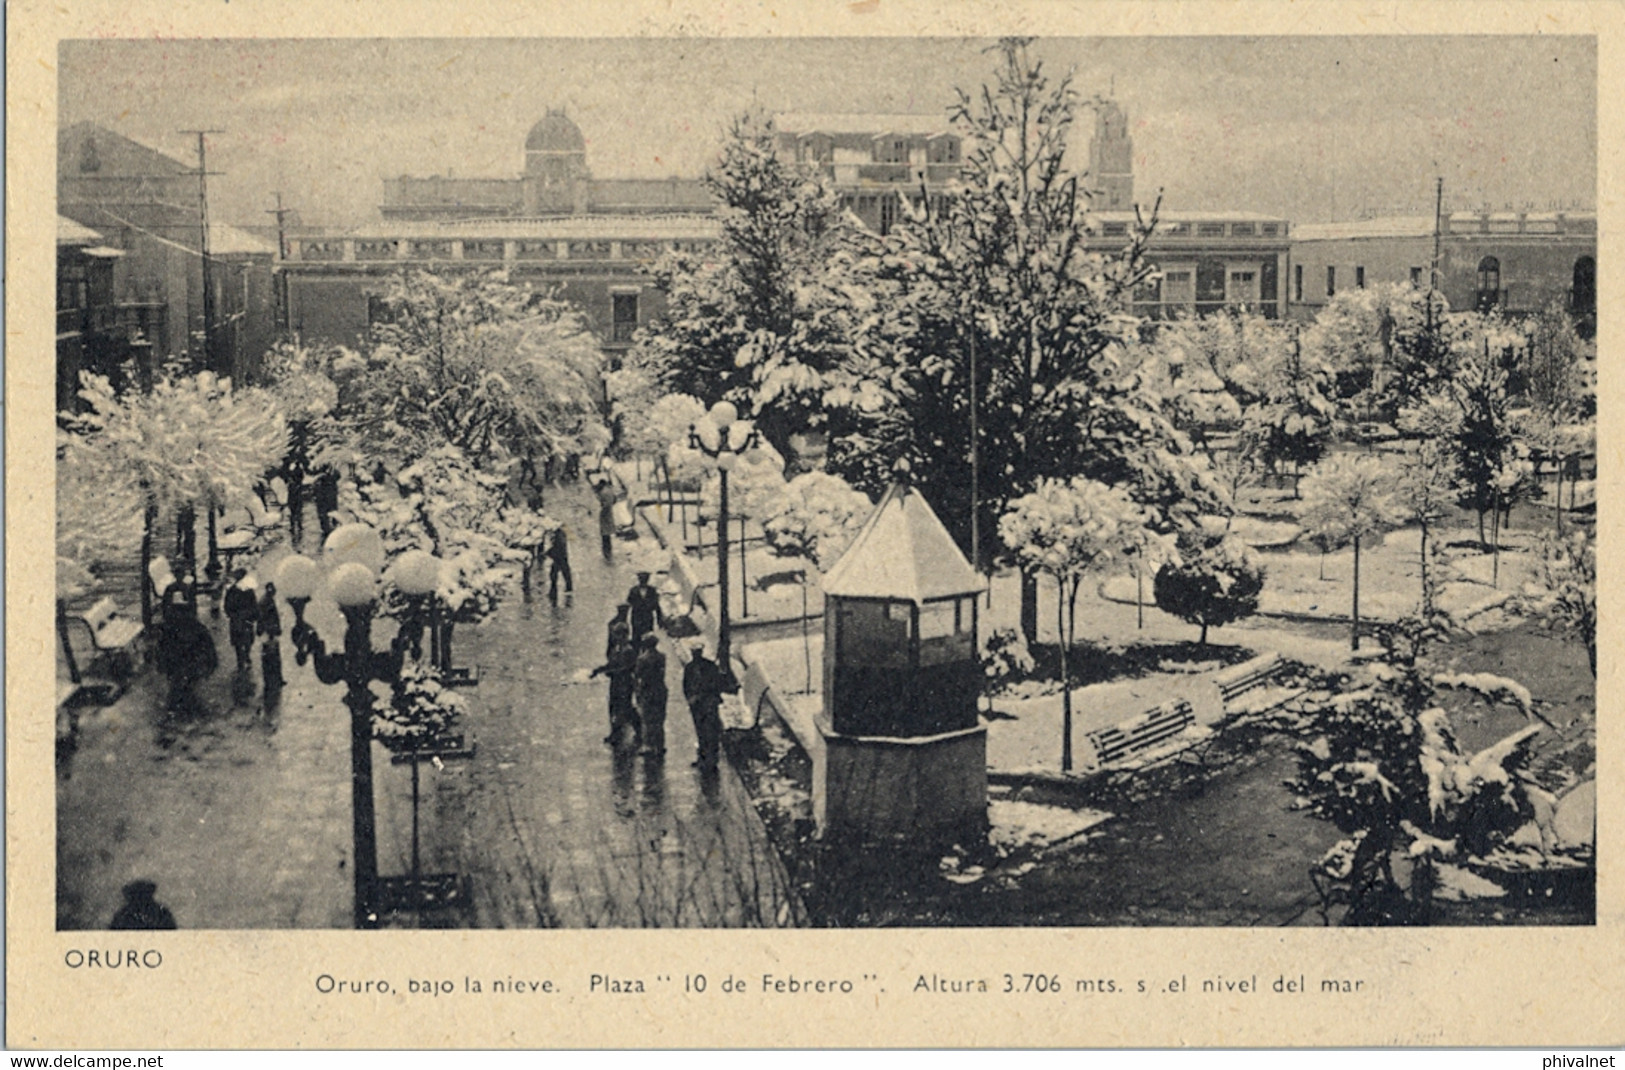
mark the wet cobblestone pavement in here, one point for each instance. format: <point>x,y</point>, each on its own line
<point>241,814</point>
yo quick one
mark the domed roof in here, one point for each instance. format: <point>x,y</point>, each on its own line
<point>555,133</point>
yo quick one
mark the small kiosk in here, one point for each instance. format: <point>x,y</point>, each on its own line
<point>905,750</point>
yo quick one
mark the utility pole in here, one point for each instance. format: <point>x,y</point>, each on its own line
<point>210,358</point>
<point>1433,268</point>
<point>281,280</point>
<point>281,231</point>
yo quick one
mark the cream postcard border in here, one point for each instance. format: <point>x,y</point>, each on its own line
<point>219,989</point>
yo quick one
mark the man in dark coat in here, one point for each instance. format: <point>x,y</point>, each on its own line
<point>558,563</point>
<point>605,492</point>
<point>185,650</point>
<point>326,494</point>
<point>645,603</point>
<point>621,622</point>
<point>141,910</point>
<point>242,606</point>
<point>649,685</point>
<point>703,686</point>
<point>270,626</point>
<point>620,668</point>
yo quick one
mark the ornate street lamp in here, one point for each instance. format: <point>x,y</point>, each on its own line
<point>721,437</point>
<point>355,554</point>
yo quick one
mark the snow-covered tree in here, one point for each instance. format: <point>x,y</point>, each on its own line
<point>190,442</point>
<point>1384,344</point>
<point>1349,500</point>
<point>1216,581</point>
<point>1567,587</point>
<point>1381,762</point>
<point>1069,531</point>
<point>813,517</point>
<point>1292,418</point>
<point>1001,276</point>
<point>1492,463</point>
<point>1424,485</point>
<point>758,319</point>
<point>479,363</point>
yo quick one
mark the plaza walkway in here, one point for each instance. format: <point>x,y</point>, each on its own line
<point>242,816</point>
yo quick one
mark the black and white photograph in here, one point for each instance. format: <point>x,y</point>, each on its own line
<point>833,483</point>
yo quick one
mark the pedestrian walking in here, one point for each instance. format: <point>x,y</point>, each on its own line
<point>649,685</point>
<point>185,650</point>
<point>242,607</point>
<point>558,563</point>
<point>703,687</point>
<point>620,667</point>
<point>325,492</point>
<point>293,474</point>
<point>644,601</point>
<point>621,621</point>
<point>141,910</point>
<point>270,626</point>
<point>605,492</point>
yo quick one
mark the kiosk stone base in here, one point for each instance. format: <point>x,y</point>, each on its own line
<point>918,790</point>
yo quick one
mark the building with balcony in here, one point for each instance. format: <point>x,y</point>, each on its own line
<point>1204,262</point>
<point>148,206</point>
<point>874,161</point>
<point>89,335</point>
<point>1513,262</point>
<point>554,180</point>
<point>597,262</point>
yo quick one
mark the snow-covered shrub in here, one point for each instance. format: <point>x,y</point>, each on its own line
<point>1005,657</point>
<point>1217,581</point>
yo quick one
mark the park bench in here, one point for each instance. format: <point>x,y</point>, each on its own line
<point>112,637</point>
<point>1141,732</point>
<point>161,577</point>
<point>1240,679</point>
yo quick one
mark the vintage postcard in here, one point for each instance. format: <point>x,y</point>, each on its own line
<point>1005,525</point>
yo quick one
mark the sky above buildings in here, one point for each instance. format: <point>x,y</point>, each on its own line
<point>1312,128</point>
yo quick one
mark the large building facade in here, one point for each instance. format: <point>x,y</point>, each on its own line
<point>148,206</point>
<point>554,181</point>
<point>597,262</point>
<point>1513,262</point>
<point>555,228</point>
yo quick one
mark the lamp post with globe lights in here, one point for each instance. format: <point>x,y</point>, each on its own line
<point>355,556</point>
<point>721,437</point>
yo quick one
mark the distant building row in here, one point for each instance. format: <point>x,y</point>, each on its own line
<point>556,226</point>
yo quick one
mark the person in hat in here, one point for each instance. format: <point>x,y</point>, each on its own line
<point>620,622</point>
<point>703,686</point>
<point>649,686</point>
<point>242,614</point>
<point>558,563</point>
<point>270,626</point>
<point>141,910</point>
<point>184,651</point>
<point>605,492</point>
<point>620,666</point>
<point>645,603</point>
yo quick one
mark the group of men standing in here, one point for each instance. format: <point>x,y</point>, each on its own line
<point>636,669</point>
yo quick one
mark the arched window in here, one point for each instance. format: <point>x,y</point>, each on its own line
<point>1489,283</point>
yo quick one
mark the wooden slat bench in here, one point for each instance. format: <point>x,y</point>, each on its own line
<point>112,636</point>
<point>1240,679</point>
<point>1141,732</point>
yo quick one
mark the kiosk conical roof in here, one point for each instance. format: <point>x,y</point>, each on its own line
<point>903,553</point>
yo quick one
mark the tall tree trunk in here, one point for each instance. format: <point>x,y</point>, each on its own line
<point>1354,635</point>
<point>1427,594</point>
<point>1495,543</point>
<point>1066,678</point>
<point>1029,606</point>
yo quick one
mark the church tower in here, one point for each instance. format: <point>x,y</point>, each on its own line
<point>1111,160</point>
